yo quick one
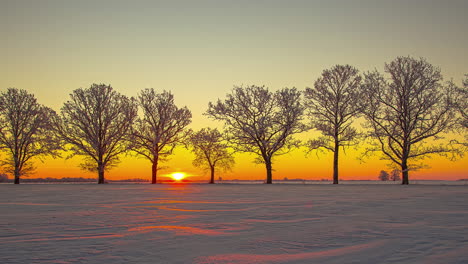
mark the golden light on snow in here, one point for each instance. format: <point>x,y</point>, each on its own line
<point>178,176</point>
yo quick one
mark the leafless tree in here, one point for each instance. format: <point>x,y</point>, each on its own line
<point>25,131</point>
<point>161,129</point>
<point>463,103</point>
<point>261,122</point>
<point>459,103</point>
<point>211,152</point>
<point>461,107</point>
<point>3,177</point>
<point>395,175</point>
<point>408,112</point>
<point>384,176</point>
<point>332,105</point>
<point>96,123</point>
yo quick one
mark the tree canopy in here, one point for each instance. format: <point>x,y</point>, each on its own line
<point>96,124</point>
<point>161,129</point>
<point>407,112</point>
<point>211,152</point>
<point>260,121</point>
<point>25,131</point>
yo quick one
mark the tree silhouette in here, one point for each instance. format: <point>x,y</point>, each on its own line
<point>261,122</point>
<point>332,105</point>
<point>407,113</point>
<point>3,177</point>
<point>96,123</point>
<point>161,129</point>
<point>463,103</point>
<point>384,176</point>
<point>461,107</point>
<point>25,131</point>
<point>210,151</point>
<point>395,175</point>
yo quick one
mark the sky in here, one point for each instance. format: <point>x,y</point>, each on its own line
<point>199,50</point>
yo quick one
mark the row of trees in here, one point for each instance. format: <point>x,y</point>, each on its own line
<point>405,113</point>
<point>394,175</point>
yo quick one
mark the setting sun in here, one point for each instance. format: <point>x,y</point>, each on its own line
<point>178,176</point>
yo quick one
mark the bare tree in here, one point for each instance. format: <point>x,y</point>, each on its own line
<point>384,176</point>
<point>25,131</point>
<point>461,107</point>
<point>210,151</point>
<point>96,123</point>
<point>407,113</point>
<point>332,105</point>
<point>261,122</point>
<point>459,103</point>
<point>161,129</point>
<point>3,177</point>
<point>395,175</point>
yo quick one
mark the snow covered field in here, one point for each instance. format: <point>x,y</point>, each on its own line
<point>233,223</point>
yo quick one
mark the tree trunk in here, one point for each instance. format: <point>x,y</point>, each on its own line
<point>154,171</point>
<point>100,173</point>
<point>335,163</point>
<point>212,174</point>
<point>404,172</point>
<point>269,179</point>
<point>17,176</point>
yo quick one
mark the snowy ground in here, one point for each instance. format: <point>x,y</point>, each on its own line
<point>232,223</point>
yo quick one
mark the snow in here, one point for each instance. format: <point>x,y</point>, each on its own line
<point>233,223</point>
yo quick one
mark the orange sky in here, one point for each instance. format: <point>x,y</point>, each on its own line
<point>292,165</point>
<point>199,49</point>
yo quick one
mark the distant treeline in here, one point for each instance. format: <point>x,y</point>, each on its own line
<point>406,114</point>
<point>5,179</point>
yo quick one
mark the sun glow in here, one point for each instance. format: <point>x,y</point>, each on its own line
<point>178,176</point>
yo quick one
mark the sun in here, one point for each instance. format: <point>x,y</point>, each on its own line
<point>178,176</point>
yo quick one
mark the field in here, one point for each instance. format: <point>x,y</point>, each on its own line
<point>233,223</point>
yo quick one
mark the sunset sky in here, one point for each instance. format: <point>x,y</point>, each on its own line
<point>199,49</point>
